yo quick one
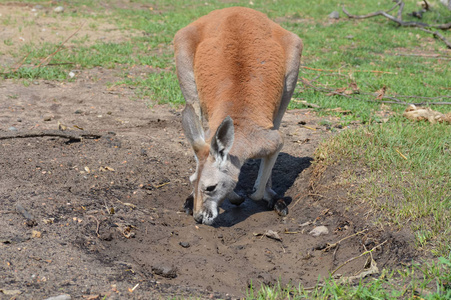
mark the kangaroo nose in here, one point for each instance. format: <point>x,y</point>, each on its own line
<point>198,217</point>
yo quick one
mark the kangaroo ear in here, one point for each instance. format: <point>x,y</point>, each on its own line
<point>193,128</point>
<point>223,139</point>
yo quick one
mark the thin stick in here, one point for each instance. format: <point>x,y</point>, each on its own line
<point>21,63</point>
<point>71,135</point>
<point>437,35</point>
<point>354,258</point>
<point>343,239</point>
<point>397,20</point>
<point>60,46</point>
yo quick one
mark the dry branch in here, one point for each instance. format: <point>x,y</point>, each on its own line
<point>436,34</point>
<point>71,135</point>
<point>60,46</point>
<point>402,23</point>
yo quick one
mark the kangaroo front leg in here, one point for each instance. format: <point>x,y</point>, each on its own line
<point>261,188</point>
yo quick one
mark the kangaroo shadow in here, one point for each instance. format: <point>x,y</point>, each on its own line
<point>284,174</point>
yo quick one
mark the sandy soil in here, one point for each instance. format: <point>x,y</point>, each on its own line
<point>103,218</point>
<point>108,211</point>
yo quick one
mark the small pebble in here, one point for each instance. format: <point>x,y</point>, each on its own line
<point>334,15</point>
<point>165,271</point>
<point>47,118</point>
<point>12,128</point>
<point>317,231</point>
<point>78,112</point>
<point>184,244</point>
<point>58,9</point>
<point>19,120</point>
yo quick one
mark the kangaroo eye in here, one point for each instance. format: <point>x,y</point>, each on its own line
<point>211,188</point>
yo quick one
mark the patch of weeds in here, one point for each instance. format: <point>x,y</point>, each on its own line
<point>429,280</point>
<point>407,175</point>
<point>160,87</point>
<point>8,42</point>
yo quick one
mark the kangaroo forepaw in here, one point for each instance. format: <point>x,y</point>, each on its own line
<point>279,206</point>
<point>189,204</point>
<point>237,199</point>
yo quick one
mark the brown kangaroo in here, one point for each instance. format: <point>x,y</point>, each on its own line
<point>237,70</point>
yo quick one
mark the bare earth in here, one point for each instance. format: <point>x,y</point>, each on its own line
<point>105,214</point>
<point>109,210</point>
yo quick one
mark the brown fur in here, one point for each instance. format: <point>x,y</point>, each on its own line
<point>234,64</point>
<point>238,66</point>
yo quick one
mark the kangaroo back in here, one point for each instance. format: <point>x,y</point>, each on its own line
<point>237,70</point>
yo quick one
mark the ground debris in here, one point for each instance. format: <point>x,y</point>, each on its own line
<point>60,297</point>
<point>165,271</point>
<point>36,234</point>
<point>319,230</point>
<point>71,135</point>
<point>270,234</point>
<point>415,113</point>
<point>125,230</point>
<point>10,292</point>
<point>369,269</point>
<point>30,220</point>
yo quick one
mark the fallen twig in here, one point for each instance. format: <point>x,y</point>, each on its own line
<point>437,35</point>
<point>330,246</point>
<point>402,23</point>
<point>397,20</point>
<point>71,135</point>
<point>354,258</point>
<point>98,225</point>
<point>60,46</point>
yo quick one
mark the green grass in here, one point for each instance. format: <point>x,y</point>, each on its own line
<point>407,169</point>
<point>370,53</point>
<point>419,281</point>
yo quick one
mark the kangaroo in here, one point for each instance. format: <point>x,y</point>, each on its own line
<point>237,70</point>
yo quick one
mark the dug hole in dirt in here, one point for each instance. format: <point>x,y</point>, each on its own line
<point>103,216</point>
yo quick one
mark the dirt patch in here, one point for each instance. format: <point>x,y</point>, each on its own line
<point>27,24</point>
<point>108,210</point>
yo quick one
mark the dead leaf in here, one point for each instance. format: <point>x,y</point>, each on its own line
<point>370,269</point>
<point>415,113</point>
<point>337,91</point>
<point>61,126</point>
<point>381,93</point>
<point>270,234</point>
<point>355,89</point>
<point>36,234</point>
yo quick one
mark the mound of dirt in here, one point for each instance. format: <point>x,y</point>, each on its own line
<point>103,217</point>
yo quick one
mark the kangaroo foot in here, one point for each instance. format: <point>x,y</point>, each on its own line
<point>279,206</point>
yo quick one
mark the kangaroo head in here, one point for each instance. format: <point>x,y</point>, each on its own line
<point>213,179</point>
